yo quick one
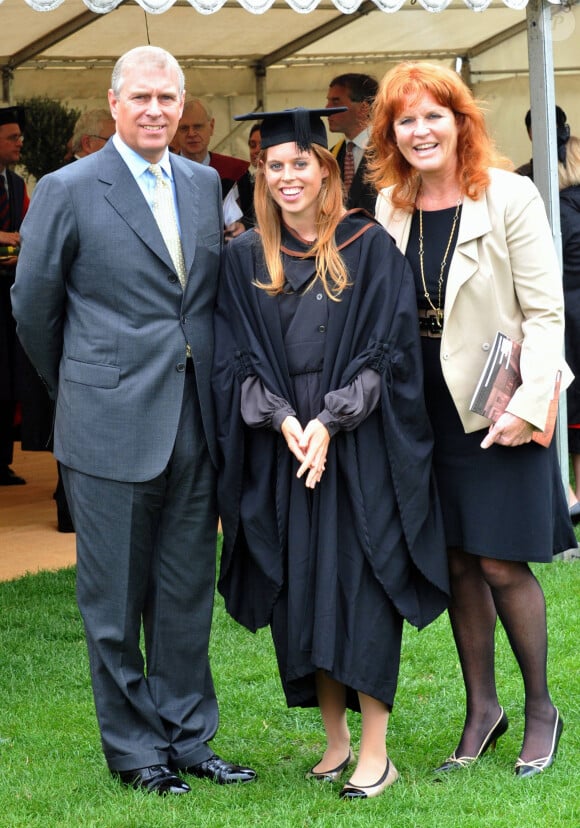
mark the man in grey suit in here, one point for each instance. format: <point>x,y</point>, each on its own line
<point>127,351</point>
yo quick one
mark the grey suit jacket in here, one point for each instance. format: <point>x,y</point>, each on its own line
<point>504,275</point>
<point>102,315</point>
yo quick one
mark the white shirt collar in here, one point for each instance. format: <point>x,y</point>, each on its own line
<point>136,163</point>
<point>206,161</point>
<point>361,140</point>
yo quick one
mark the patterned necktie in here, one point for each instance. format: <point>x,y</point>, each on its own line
<point>4,207</point>
<point>164,212</point>
<point>348,171</point>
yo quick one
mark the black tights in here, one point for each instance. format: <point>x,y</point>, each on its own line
<point>481,590</point>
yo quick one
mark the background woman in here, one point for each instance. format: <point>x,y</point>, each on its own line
<point>481,250</point>
<point>569,181</point>
<point>331,531</point>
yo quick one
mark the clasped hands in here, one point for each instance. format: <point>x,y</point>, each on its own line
<point>508,430</point>
<point>309,446</point>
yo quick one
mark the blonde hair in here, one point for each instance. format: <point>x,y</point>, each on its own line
<point>406,84</point>
<point>330,267</point>
<point>569,172</point>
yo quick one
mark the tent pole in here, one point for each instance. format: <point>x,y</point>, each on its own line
<point>463,68</point>
<point>545,155</point>
<point>7,76</point>
<point>260,76</point>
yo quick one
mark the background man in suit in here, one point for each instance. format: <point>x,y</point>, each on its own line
<point>13,205</point>
<point>243,189</point>
<point>120,329</point>
<point>194,132</point>
<point>357,92</point>
<point>92,131</point>
<point>196,127</point>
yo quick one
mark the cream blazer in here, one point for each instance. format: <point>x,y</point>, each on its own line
<point>504,275</point>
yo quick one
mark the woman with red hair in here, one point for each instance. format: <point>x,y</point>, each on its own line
<point>480,246</point>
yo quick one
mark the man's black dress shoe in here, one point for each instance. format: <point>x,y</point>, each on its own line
<point>154,779</point>
<point>220,771</point>
<point>64,519</point>
<point>8,478</point>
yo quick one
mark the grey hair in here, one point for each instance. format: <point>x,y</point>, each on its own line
<point>190,103</point>
<point>89,123</point>
<point>145,54</point>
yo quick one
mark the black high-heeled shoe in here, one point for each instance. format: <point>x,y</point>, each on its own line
<point>458,762</point>
<point>330,775</point>
<point>535,766</point>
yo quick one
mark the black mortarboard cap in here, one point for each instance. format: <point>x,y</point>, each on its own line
<point>302,126</point>
<point>12,115</point>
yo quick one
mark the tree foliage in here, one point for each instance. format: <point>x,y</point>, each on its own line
<point>49,125</point>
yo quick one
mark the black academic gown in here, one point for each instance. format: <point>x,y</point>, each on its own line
<point>336,569</point>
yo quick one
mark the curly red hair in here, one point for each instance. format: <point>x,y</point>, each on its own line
<point>405,85</point>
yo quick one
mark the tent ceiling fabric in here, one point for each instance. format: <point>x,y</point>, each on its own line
<point>238,61</point>
<point>73,35</point>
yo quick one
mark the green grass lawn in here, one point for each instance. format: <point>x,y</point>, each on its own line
<point>52,772</point>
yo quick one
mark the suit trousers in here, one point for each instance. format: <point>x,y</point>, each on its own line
<point>146,556</point>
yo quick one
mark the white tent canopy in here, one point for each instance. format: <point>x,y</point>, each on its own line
<point>275,53</point>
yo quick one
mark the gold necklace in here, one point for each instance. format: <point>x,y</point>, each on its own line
<point>438,310</point>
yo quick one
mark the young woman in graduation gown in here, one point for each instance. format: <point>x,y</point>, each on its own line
<point>332,533</point>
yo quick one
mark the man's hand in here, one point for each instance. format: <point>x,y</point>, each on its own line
<point>233,230</point>
<point>10,239</point>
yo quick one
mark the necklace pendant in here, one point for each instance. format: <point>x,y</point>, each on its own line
<point>439,317</point>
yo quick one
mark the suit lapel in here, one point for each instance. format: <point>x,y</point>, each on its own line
<point>398,226</point>
<point>475,223</point>
<point>337,149</point>
<point>125,196</point>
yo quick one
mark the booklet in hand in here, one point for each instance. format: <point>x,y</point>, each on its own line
<point>498,382</point>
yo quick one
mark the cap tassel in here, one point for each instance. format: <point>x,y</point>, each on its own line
<point>302,129</point>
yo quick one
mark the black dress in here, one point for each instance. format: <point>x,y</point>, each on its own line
<point>333,570</point>
<point>503,503</point>
<point>570,222</point>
